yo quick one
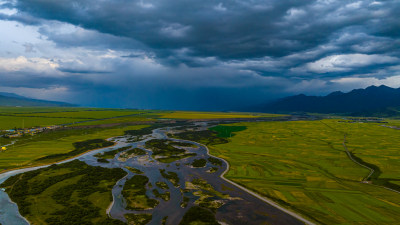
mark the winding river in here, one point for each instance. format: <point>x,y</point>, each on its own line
<point>241,207</point>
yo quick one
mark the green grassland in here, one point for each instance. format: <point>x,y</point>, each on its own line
<point>213,115</point>
<point>73,192</point>
<point>146,117</point>
<point>27,117</point>
<point>11,122</point>
<point>303,166</point>
<point>84,114</point>
<point>27,151</point>
<point>21,110</point>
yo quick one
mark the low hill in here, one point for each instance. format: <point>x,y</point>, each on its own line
<point>9,99</point>
<point>371,101</point>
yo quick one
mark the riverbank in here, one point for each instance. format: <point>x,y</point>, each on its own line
<point>265,199</point>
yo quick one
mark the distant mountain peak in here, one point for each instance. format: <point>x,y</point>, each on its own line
<point>11,99</point>
<point>336,93</point>
<point>8,94</point>
<point>378,87</point>
<point>358,100</point>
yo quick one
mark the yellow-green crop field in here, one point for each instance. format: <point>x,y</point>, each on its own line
<point>24,152</point>
<point>303,166</point>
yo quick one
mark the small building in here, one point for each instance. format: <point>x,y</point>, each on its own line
<point>15,135</point>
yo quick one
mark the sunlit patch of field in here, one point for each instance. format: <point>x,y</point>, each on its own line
<point>26,151</point>
<point>303,166</point>
<point>213,115</point>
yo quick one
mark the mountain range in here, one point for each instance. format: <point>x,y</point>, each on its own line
<point>10,99</point>
<point>371,101</point>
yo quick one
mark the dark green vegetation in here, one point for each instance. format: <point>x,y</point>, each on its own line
<point>375,178</point>
<point>143,131</point>
<point>162,185</point>
<point>199,163</point>
<point>207,137</point>
<point>227,131</point>
<point>138,219</point>
<point>111,154</point>
<point>185,201</point>
<point>136,151</point>
<point>198,215</point>
<point>70,193</point>
<point>171,176</point>
<point>215,161</point>
<point>164,196</point>
<point>131,154</point>
<point>165,152</point>
<point>134,170</point>
<point>164,220</point>
<point>208,196</point>
<point>80,147</point>
<point>134,193</point>
<point>163,148</point>
<point>101,160</point>
<point>214,136</point>
<point>182,144</point>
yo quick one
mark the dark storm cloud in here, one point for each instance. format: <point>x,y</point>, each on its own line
<point>193,32</point>
<point>179,53</point>
<point>69,70</point>
<point>241,30</point>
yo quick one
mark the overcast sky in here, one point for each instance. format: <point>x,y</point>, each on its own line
<point>192,54</point>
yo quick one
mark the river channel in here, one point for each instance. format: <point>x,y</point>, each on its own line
<point>238,206</point>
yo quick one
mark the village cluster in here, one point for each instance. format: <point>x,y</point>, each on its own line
<point>18,132</point>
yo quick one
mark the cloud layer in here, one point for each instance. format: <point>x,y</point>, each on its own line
<point>195,54</point>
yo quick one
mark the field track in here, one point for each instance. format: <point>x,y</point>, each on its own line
<point>372,171</point>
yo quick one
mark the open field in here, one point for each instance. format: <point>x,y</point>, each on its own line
<point>303,166</point>
<point>26,151</point>
<point>83,114</point>
<point>21,110</point>
<point>11,122</point>
<point>27,117</point>
<point>213,115</point>
<point>73,192</point>
<point>145,117</point>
